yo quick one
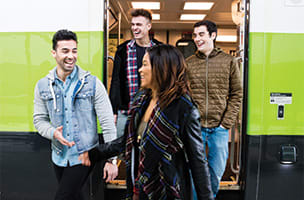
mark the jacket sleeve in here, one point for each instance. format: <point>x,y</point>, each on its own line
<point>196,156</point>
<point>115,83</point>
<point>104,112</point>
<point>107,150</point>
<point>41,117</point>
<point>235,95</point>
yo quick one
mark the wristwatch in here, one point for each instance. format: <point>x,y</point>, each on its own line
<point>113,161</point>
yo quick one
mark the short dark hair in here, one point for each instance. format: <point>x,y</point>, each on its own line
<point>211,26</point>
<point>142,12</point>
<point>63,34</point>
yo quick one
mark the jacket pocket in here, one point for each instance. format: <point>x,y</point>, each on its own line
<point>49,100</point>
<point>54,114</point>
<point>46,95</point>
<point>57,147</point>
<point>84,100</point>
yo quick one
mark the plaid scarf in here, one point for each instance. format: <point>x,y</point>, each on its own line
<point>156,176</point>
<point>132,69</point>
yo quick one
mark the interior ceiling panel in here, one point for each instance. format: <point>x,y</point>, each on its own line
<point>171,10</point>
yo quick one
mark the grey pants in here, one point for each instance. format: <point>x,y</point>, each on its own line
<point>121,122</point>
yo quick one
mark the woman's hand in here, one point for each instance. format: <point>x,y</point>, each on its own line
<point>135,197</point>
<point>84,158</point>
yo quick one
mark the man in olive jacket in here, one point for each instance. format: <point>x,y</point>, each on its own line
<point>217,90</point>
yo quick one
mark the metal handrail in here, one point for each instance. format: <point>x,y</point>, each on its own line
<point>236,170</point>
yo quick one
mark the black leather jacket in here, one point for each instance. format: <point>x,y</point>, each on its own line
<point>193,158</point>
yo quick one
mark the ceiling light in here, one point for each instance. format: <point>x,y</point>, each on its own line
<point>146,5</point>
<point>155,16</point>
<point>183,44</point>
<point>198,5</point>
<point>192,17</point>
<point>226,38</point>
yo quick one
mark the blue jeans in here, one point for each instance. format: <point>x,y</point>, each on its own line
<point>121,123</point>
<point>217,141</point>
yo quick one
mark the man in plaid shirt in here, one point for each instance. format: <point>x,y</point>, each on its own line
<point>128,59</point>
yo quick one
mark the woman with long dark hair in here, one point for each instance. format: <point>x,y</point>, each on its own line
<point>162,135</point>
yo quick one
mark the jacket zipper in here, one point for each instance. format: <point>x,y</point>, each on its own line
<point>207,103</point>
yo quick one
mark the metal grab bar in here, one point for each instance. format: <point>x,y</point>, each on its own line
<point>232,152</point>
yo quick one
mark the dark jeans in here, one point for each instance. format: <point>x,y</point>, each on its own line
<point>71,181</point>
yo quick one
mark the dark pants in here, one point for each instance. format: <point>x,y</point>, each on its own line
<point>71,181</point>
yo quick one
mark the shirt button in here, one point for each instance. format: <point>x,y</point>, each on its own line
<point>64,96</point>
<point>57,152</point>
<point>65,109</point>
<point>67,122</point>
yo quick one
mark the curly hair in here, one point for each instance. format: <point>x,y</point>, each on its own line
<point>63,34</point>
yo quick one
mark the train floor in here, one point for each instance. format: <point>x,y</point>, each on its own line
<point>229,195</point>
<point>118,194</point>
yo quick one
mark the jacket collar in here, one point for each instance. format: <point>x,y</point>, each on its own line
<point>132,43</point>
<point>81,73</point>
<point>213,53</point>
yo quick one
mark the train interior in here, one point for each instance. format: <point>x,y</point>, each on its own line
<point>169,26</point>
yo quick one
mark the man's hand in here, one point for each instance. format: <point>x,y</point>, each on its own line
<point>110,171</point>
<point>115,119</point>
<point>85,160</point>
<point>60,138</point>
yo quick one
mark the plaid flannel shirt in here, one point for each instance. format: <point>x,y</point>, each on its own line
<point>132,69</point>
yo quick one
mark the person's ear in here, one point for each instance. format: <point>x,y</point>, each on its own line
<point>53,53</point>
<point>213,35</point>
<point>149,26</point>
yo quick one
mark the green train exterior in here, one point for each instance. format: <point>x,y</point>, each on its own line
<point>26,31</point>
<point>273,148</point>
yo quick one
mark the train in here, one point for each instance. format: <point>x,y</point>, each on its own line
<point>267,142</point>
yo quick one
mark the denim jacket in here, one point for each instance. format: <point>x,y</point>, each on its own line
<point>89,99</point>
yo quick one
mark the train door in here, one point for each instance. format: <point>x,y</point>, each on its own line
<point>231,41</point>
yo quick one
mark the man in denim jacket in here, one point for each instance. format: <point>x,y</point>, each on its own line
<point>66,104</point>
